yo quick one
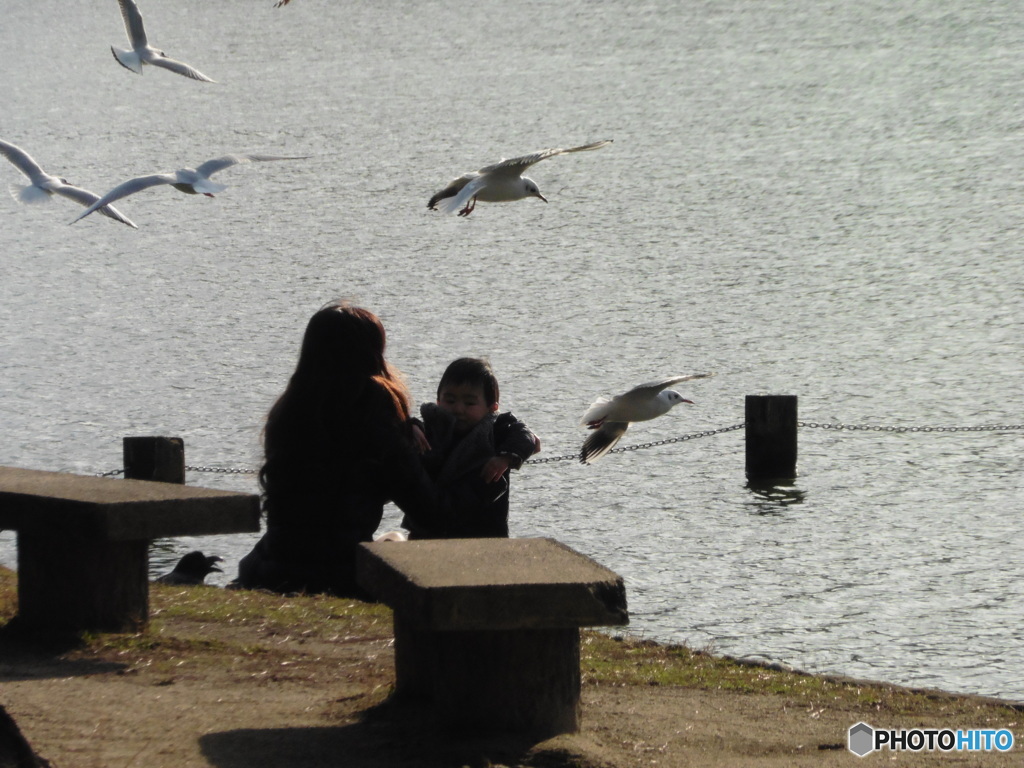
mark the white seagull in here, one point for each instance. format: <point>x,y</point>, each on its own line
<point>142,52</point>
<point>192,181</point>
<point>611,417</point>
<point>44,185</point>
<point>499,183</point>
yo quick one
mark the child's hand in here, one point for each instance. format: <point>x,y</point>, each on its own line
<point>495,467</point>
<point>536,444</point>
<point>420,439</point>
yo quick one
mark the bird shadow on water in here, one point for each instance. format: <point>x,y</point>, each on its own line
<point>773,497</point>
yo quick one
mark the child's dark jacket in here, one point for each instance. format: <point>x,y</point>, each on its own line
<point>455,465</point>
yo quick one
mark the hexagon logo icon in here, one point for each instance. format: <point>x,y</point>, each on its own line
<point>861,739</point>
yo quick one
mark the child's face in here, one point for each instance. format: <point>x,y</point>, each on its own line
<point>466,402</point>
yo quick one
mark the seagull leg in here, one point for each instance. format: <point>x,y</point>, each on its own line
<point>469,207</point>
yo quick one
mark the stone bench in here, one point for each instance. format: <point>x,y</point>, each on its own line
<point>487,630</point>
<point>83,542</point>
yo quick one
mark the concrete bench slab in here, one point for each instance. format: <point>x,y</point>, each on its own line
<point>487,630</point>
<point>83,541</point>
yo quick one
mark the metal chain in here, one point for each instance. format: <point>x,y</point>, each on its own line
<point>552,459</point>
<point>220,470</point>
<point>640,446</point>
<point>668,441</point>
<point>872,428</point>
<point>681,438</point>
<point>224,470</point>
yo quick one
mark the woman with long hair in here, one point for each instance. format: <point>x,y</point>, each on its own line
<point>338,445</point>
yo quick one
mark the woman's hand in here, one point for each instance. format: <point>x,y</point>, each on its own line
<point>422,444</point>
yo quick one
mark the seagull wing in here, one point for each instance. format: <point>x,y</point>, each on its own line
<point>597,411</point>
<point>180,68</point>
<point>517,165</point>
<point>129,187</point>
<point>463,196</point>
<point>654,387</point>
<point>636,403</point>
<point>453,188</point>
<point>21,160</point>
<point>211,167</point>
<point>133,23</point>
<point>85,197</point>
<point>602,441</point>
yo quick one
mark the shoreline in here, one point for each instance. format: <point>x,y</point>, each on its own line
<point>225,678</point>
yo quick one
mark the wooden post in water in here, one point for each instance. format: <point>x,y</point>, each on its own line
<point>155,458</point>
<point>146,458</point>
<point>771,437</point>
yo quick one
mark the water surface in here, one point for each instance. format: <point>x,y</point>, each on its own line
<point>820,199</point>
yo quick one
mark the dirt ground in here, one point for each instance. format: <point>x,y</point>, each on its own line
<point>305,700</point>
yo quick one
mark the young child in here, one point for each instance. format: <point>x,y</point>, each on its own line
<point>471,450</point>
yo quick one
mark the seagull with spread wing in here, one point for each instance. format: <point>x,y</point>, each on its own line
<point>611,417</point>
<point>192,181</point>
<point>142,52</point>
<point>499,183</point>
<point>44,186</point>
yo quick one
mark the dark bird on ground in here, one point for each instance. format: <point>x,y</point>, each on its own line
<point>193,568</point>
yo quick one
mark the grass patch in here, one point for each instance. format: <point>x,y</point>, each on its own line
<point>268,619</point>
<point>8,594</point>
<point>260,618</point>
<point>316,615</point>
<point>618,660</point>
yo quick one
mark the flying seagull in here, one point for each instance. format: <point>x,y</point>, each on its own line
<point>611,417</point>
<point>499,183</point>
<point>192,569</point>
<point>142,52</point>
<point>44,185</point>
<point>192,181</point>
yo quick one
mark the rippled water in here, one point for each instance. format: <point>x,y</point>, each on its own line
<point>821,199</point>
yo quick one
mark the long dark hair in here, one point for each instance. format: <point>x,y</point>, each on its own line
<point>341,380</point>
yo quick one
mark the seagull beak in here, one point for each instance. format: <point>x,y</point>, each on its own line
<point>542,197</point>
<point>684,400</point>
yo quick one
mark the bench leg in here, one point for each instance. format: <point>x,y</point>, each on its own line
<point>414,660</point>
<point>525,681</point>
<point>79,584</point>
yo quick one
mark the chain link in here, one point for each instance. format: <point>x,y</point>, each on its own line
<point>224,470</point>
<point>552,459</point>
<point>681,438</point>
<point>219,470</point>
<point>670,440</point>
<point>874,428</point>
<point>641,446</point>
